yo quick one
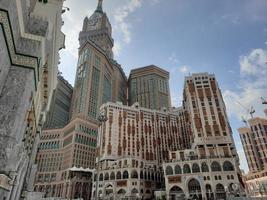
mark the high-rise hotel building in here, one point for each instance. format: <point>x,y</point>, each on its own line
<point>139,145</point>
<point>150,87</point>
<point>66,156</point>
<point>254,140</point>
<point>210,168</point>
<point>191,147</point>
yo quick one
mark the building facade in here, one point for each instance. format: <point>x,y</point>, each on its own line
<point>192,145</point>
<point>253,138</point>
<point>65,158</point>
<point>134,143</point>
<point>150,87</point>
<point>30,38</point>
<point>59,111</point>
<point>71,150</point>
<point>210,168</point>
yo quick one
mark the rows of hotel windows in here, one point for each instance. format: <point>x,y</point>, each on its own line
<point>49,162</point>
<point>49,145</point>
<point>93,106</point>
<point>49,136</point>
<point>186,168</point>
<point>84,156</point>
<point>85,140</point>
<point>133,174</point>
<point>46,177</point>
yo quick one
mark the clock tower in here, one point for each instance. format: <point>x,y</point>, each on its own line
<point>97,28</point>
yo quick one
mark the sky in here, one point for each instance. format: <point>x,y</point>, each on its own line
<point>227,38</point>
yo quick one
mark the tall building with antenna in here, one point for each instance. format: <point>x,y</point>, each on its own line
<point>66,156</point>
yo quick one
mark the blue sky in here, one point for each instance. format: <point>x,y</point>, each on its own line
<point>228,38</point>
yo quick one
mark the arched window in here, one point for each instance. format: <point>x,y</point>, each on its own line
<point>101,177</point>
<point>169,170</point>
<point>125,175</point>
<point>112,176</point>
<point>216,167</point>
<point>106,176</point>
<point>204,167</point>
<point>152,177</point>
<point>194,186</point>
<point>195,168</point>
<point>145,175</point>
<point>118,176</point>
<point>228,166</point>
<point>134,174</point>
<point>134,191</point>
<point>121,192</point>
<point>220,192</point>
<point>141,175</point>
<point>177,169</point>
<point>95,177</point>
<point>186,169</point>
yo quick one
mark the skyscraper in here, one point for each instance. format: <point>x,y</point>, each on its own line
<point>192,144</point>
<point>134,143</point>
<point>99,78</point>
<point>210,168</point>
<point>254,139</point>
<point>58,115</point>
<point>67,155</point>
<point>150,87</point>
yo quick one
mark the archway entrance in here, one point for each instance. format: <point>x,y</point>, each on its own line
<point>109,192</point>
<point>176,193</point>
<point>194,190</point>
<point>209,193</point>
<point>220,192</point>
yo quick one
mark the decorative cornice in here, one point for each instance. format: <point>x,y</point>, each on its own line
<point>17,59</point>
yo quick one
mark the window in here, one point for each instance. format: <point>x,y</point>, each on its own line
<point>177,169</point>
<point>195,168</point>
<point>228,166</point>
<point>169,170</point>
<point>186,169</point>
<point>215,167</point>
<point>204,167</point>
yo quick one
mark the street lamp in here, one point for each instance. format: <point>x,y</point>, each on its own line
<point>102,118</point>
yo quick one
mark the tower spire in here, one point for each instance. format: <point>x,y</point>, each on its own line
<point>99,6</point>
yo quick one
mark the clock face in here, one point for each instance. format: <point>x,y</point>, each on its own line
<point>93,21</point>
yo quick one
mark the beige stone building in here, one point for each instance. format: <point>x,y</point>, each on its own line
<point>135,141</point>
<point>30,40</point>
<point>192,147</point>
<point>254,141</point>
<point>210,168</point>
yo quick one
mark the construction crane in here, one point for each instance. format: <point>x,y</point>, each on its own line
<point>250,111</point>
<point>264,101</point>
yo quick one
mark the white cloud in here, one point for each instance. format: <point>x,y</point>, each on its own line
<point>121,14</point>
<point>117,48</point>
<point>254,63</point>
<point>173,58</point>
<point>184,69</point>
<point>252,85</point>
<point>73,21</point>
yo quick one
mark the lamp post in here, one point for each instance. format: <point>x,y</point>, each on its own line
<point>102,118</point>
